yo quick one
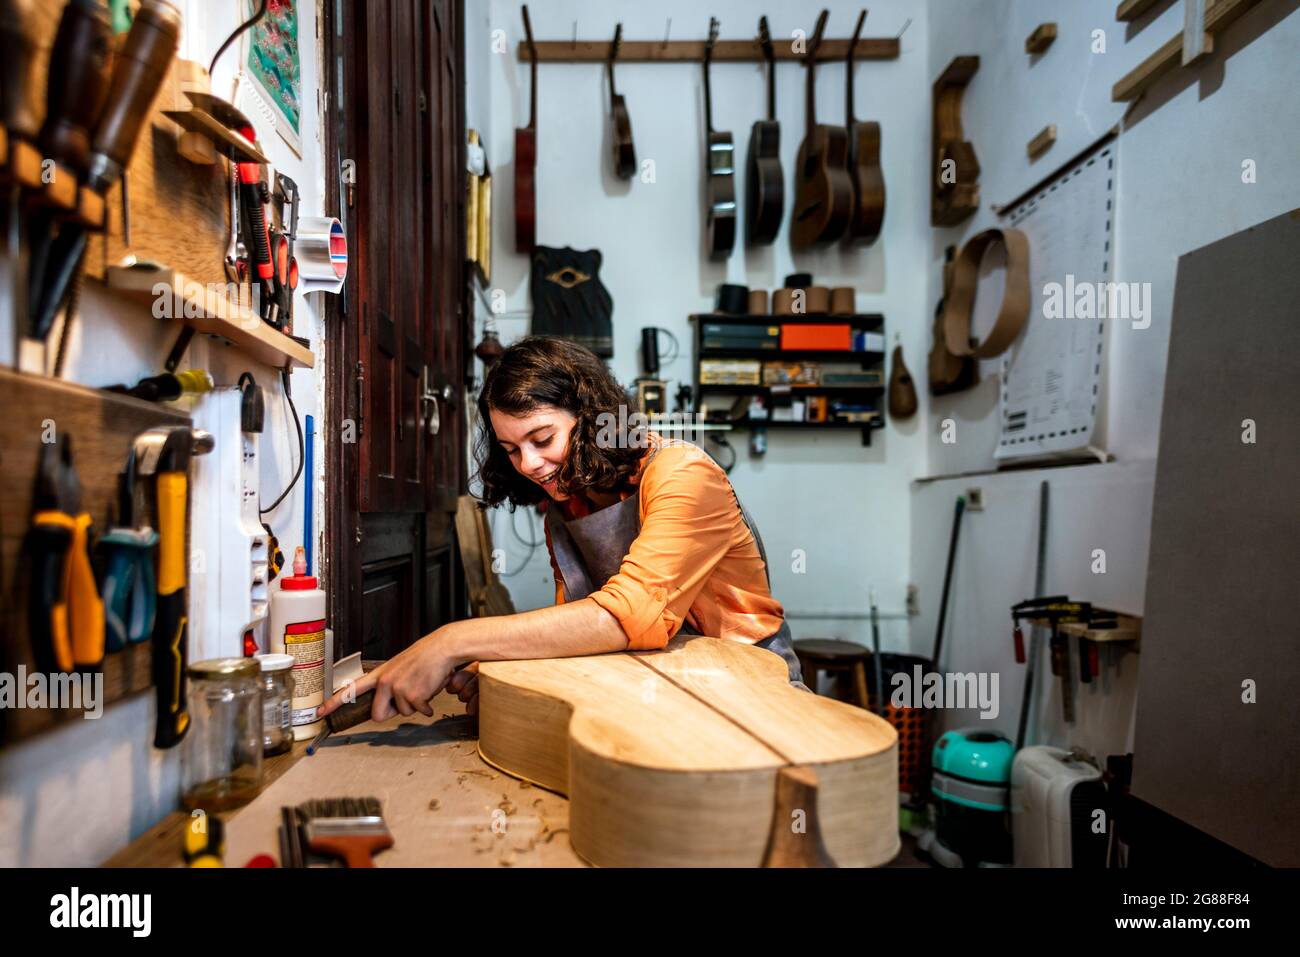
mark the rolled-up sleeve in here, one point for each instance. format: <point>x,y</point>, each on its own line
<point>688,516</point>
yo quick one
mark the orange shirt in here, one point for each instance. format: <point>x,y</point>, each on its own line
<point>694,559</point>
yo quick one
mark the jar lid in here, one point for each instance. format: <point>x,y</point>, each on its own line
<point>223,668</point>
<point>298,583</point>
<point>275,662</point>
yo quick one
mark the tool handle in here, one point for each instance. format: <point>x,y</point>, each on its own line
<point>171,625</point>
<point>256,238</point>
<point>355,850</point>
<point>19,103</point>
<point>352,713</point>
<point>85,607</point>
<point>138,72</point>
<point>47,547</point>
<point>1020,646</point>
<point>78,82</point>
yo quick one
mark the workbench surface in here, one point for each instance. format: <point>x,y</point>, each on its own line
<point>445,806</point>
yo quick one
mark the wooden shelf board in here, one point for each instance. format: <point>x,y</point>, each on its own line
<point>776,355</point>
<point>1130,10</point>
<point>859,319</point>
<point>218,315</point>
<point>792,390</point>
<point>1218,17</point>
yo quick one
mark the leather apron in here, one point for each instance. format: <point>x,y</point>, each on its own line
<point>590,550</point>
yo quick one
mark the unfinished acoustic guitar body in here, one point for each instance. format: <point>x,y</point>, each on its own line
<point>701,754</point>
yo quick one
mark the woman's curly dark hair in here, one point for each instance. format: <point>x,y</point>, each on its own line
<point>539,371</point>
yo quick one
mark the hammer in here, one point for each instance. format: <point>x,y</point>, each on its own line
<point>165,453</point>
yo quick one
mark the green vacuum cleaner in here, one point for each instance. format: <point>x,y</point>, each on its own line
<point>971,785</point>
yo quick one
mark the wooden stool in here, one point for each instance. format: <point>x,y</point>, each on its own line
<point>835,657</point>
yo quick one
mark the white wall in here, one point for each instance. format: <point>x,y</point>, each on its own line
<point>1179,187</point>
<point>846,506</point>
<point>78,794</point>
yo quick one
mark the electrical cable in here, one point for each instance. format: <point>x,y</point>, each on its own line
<point>532,547</point>
<point>721,441</point>
<point>677,349</point>
<point>302,446</point>
<point>246,25</point>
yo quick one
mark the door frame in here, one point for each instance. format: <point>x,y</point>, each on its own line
<point>340,562</point>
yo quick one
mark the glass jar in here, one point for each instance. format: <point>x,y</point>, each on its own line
<point>276,680</point>
<point>223,750</point>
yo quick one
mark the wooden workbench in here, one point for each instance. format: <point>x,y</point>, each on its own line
<point>444,805</point>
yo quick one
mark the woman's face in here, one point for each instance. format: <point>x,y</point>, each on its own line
<point>537,443</point>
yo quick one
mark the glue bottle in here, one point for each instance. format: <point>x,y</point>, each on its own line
<point>297,628</point>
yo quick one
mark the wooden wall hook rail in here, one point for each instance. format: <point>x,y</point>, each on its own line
<point>692,51</point>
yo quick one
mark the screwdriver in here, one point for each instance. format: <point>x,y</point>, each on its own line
<point>349,715</point>
<point>80,63</point>
<point>138,72</point>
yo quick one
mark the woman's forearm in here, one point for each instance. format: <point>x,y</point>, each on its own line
<point>560,631</point>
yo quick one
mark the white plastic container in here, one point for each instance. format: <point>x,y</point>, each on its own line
<point>297,628</point>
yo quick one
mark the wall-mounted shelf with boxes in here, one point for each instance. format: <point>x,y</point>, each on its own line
<point>805,372</point>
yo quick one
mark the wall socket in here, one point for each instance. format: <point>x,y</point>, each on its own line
<point>975,499</point>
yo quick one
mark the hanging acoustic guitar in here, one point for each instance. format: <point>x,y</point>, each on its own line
<point>719,168</point>
<point>526,159</point>
<point>764,182</point>
<point>864,162</point>
<point>621,134</point>
<point>823,196</point>
<point>697,755</point>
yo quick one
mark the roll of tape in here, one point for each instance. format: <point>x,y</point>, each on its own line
<point>321,249</point>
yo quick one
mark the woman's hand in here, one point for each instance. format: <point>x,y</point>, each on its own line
<point>405,683</point>
<point>464,684</point>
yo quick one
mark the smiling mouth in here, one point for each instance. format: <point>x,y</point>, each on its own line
<point>547,479</point>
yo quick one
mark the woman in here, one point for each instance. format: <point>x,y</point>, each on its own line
<point>646,536</point>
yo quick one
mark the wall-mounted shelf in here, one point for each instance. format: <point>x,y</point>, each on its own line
<point>863,321</point>
<point>205,310</point>
<point>860,320</point>
<point>1218,17</point>
<point>792,390</point>
<point>794,355</point>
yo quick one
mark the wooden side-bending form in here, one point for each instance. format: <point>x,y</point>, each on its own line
<point>677,757</point>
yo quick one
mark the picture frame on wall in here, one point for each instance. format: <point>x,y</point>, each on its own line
<point>272,67</point>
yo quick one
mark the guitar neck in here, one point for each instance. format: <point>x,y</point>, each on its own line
<point>708,100</point>
<point>810,103</point>
<point>771,89</point>
<point>532,95</point>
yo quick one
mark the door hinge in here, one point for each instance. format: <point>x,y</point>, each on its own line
<point>361,398</point>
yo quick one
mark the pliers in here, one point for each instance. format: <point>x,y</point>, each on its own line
<point>65,613</point>
<point>129,583</point>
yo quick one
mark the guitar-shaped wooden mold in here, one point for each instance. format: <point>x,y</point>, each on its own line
<point>696,755</point>
<point>764,181</point>
<point>719,168</point>
<point>823,196</point>
<point>864,162</point>
<point>526,159</point>
<point>621,134</point>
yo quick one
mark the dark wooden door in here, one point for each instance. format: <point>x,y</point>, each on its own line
<point>397,336</point>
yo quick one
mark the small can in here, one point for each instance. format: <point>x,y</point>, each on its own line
<point>277,699</point>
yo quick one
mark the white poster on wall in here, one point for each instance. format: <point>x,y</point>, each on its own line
<point>1051,377</point>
